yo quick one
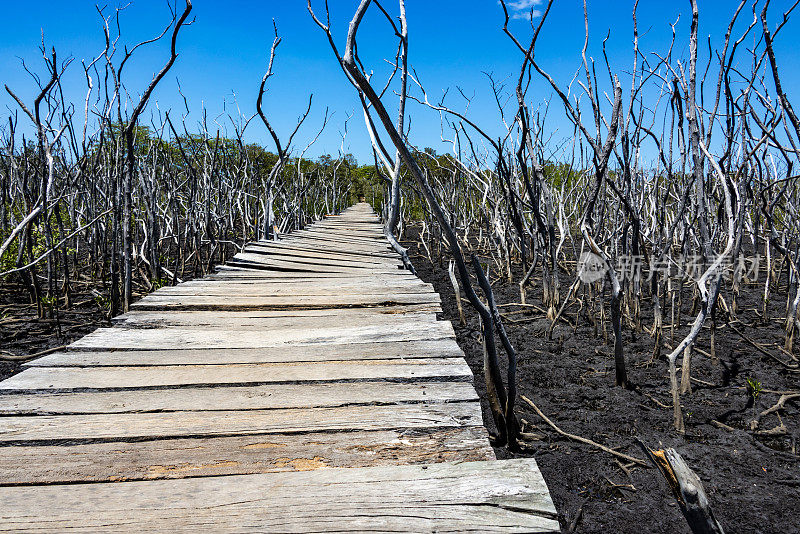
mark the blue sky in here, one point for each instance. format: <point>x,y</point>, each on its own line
<point>223,55</point>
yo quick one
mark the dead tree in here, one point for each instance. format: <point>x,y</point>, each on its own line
<point>268,224</point>
<point>601,153</point>
<point>128,135</point>
<point>501,401</point>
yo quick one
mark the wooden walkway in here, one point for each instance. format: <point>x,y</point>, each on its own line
<point>306,386</point>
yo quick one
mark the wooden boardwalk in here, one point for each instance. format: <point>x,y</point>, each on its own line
<point>306,386</point>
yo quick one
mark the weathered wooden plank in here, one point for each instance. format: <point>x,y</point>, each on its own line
<point>302,236</point>
<point>343,234</point>
<point>288,247</point>
<point>432,348</point>
<point>219,288</point>
<point>254,261</point>
<point>364,242</point>
<point>187,338</point>
<point>364,236</point>
<point>231,273</point>
<point>126,426</point>
<point>281,245</point>
<point>277,302</point>
<point>350,220</point>
<point>324,260</point>
<point>368,314</point>
<point>257,320</point>
<point>300,253</point>
<point>336,246</point>
<point>184,375</point>
<point>508,496</point>
<point>259,276</point>
<point>243,290</point>
<point>360,211</point>
<point>342,241</point>
<point>344,313</point>
<point>345,251</point>
<point>358,229</point>
<point>362,232</point>
<point>355,227</point>
<point>262,397</point>
<point>354,213</point>
<point>369,282</point>
<point>296,275</point>
<point>401,278</point>
<point>341,230</point>
<point>236,455</point>
<point>348,223</point>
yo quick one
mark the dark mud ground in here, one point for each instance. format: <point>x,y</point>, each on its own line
<point>753,483</point>
<point>22,333</point>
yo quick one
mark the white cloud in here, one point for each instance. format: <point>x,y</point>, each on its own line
<point>523,9</point>
<point>526,14</point>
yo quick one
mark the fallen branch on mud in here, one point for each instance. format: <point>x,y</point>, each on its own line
<point>587,441</point>
<point>788,366</point>
<point>778,406</point>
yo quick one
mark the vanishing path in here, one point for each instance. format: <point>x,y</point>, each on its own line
<point>305,386</point>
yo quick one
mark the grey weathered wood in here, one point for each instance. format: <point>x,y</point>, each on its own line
<point>340,248</point>
<point>283,246</point>
<point>235,274</point>
<point>277,278</point>
<point>254,262</point>
<point>346,314</point>
<point>337,243</point>
<point>334,259</point>
<point>236,422</point>
<point>316,255</point>
<point>348,283</point>
<point>319,239</point>
<point>319,273</point>
<point>337,247</point>
<point>359,236</point>
<point>238,320</point>
<point>431,348</point>
<point>231,271</point>
<point>508,496</point>
<point>362,231</point>
<point>188,338</point>
<point>262,397</point>
<point>236,455</point>
<point>218,288</point>
<point>373,225</point>
<point>277,302</point>
<point>364,235</point>
<point>324,260</point>
<point>183,375</point>
<point>343,315</point>
<point>343,236</point>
